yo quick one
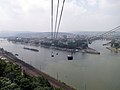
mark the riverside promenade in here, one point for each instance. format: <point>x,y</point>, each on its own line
<point>27,68</point>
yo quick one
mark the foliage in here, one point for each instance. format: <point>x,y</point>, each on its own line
<point>66,43</point>
<point>12,79</point>
<point>6,84</point>
<point>115,44</point>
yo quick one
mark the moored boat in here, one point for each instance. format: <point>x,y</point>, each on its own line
<point>32,49</point>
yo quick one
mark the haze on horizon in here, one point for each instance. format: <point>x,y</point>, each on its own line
<point>78,15</point>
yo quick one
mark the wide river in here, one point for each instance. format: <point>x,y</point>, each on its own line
<point>85,72</point>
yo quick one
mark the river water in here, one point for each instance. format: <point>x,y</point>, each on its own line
<point>86,71</point>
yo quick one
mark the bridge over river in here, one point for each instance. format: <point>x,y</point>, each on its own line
<point>106,35</point>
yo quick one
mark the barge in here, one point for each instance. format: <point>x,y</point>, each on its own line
<point>32,49</point>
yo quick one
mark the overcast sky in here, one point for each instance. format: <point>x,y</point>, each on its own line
<point>78,15</point>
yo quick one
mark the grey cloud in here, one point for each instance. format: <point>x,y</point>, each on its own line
<point>78,15</point>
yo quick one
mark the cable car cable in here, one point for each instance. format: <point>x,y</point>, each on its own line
<point>56,20</point>
<point>60,18</point>
<point>52,19</point>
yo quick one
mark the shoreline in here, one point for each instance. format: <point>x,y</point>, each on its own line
<point>91,51</point>
<point>33,71</point>
<point>88,50</point>
<point>113,49</point>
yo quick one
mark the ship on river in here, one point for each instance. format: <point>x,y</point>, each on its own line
<point>32,49</point>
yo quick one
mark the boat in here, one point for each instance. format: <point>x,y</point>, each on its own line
<point>32,49</point>
<point>16,55</point>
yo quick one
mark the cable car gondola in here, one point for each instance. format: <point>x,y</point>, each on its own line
<point>70,57</point>
<point>54,33</point>
<point>52,55</point>
<point>56,53</point>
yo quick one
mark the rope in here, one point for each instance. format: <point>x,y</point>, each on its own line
<point>60,18</point>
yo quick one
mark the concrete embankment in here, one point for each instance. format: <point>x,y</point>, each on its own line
<point>33,71</point>
<point>106,43</point>
<point>113,49</point>
<point>61,49</point>
<point>91,51</point>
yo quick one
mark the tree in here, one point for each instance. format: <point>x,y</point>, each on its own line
<point>6,84</point>
<point>2,67</point>
<point>25,84</point>
<point>11,79</point>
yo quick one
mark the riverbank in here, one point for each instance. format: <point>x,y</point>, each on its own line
<point>91,51</point>
<point>113,49</point>
<point>107,43</point>
<point>33,71</point>
<point>87,50</point>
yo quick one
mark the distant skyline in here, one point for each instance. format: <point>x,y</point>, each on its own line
<point>78,15</point>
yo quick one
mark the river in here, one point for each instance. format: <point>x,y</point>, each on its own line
<point>86,71</point>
